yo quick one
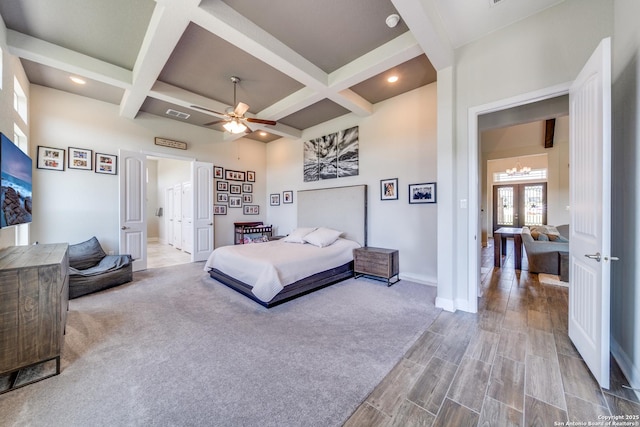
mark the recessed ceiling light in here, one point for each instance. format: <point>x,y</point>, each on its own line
<point>392,79</point>
<point>77,80</point>
<point>263,133</point>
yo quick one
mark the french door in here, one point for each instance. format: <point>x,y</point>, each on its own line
<point>519,205</point>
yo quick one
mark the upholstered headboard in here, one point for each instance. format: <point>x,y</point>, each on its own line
<point>340,208</point>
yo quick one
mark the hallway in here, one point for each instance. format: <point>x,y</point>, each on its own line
<point>511,364</point>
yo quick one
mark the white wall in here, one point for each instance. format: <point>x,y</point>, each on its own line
<point>11,68</point>
<point>539,52</point>
<point>397,141</point>
<point>625,274</point>
<point>73,205</point>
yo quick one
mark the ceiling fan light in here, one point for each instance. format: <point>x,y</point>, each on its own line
<point>234,126</point>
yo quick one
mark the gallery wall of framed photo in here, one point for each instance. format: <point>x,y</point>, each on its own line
<point>234,190</point>
<point>57,159</point>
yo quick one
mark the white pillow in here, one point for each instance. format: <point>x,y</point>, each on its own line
<point>297,235</point>
<point>322,237</point>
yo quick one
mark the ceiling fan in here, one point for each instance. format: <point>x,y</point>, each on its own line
<point>235,121</point>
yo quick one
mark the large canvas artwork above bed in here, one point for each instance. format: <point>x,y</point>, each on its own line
<point>332,156</point>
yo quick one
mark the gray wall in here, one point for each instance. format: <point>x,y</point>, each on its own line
<point>625,296</point>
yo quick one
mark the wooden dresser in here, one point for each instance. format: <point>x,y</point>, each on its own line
<point>34,295</point>
<point>377,262</point>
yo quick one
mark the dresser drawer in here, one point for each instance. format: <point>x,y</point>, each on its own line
<point>379,262</point>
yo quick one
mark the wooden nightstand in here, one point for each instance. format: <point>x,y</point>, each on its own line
<point>377,262</point>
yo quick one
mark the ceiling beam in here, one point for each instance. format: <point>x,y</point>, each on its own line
<point>168,22</point>
<point>54,56</point>
<point>424,22</point>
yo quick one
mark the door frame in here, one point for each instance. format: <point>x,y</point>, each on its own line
<point>474,244</point>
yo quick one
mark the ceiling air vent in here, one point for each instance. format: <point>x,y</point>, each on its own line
<point>177,114</point>
<point>495,2</point>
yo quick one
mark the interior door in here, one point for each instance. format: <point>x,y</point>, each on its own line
<point>177,216</point>
<point>519,205</point>
<point>202,180</point>
<point>133,208</point>
<point>590,199</point>
<point>168,214</point>
<point>187,217</point>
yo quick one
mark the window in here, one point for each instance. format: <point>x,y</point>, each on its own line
<point>533,175</point>
<point>19,100</point>
<point>22,230</point>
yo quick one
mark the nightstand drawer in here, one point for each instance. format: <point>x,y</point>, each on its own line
<point>379,262</point>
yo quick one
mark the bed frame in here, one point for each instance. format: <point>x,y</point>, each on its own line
<point>340,208</point>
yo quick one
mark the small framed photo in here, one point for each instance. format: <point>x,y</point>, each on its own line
<point>422,193</point>
<point>50,158</point>
<point>251,209</point>
<point>275,199</point>
<point>235,188</point>
<point>218,172</point>
<point>222,198</point>
<point>251,176</point>
<point>222,186</point>
<point>287,196</point>
<point>230,175</point>
<point>106,163</point>
<point>80,158</point>
<point>235,201</point>
<point>247,198</point>
<point>247,188</point>
<point>219,209</point>
<point>389,189</point>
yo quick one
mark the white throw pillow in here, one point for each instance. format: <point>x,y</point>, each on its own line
<point>322,237</point>
<point>297,235</point>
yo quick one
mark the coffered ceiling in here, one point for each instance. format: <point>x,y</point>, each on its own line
<point>300,62</point>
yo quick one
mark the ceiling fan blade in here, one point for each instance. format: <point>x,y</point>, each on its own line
<point>215,122</point>
<point>248,130</point>
<point>211,111</point>
<point>240,109</point>
<point>261,121</point>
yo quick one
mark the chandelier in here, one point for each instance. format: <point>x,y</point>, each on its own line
<point>518,170</point>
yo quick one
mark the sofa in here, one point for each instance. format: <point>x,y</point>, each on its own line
<point>92,270</point>
<point>545,246</point>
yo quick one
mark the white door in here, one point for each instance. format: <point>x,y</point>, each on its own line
<point>187,220</point>
<point>177,216</point>
<point>168,213</point>
<point>590,200</point>
<point>202,180</point>
<point>133,208</point>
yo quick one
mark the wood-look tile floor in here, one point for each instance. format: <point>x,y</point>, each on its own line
<point>511,364</point>
<point>160,255</point>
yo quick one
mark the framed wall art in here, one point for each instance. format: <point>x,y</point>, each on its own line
<point>80,158</point>
<point>247,188</point>
<point>222,186</point>
<point>287,196</point>
<point>251,176</point>
<point>251,209</point>
<point>50,158</point>
<point>389,189</point>
<point>235,201</point>
<point>231,175</point>
<point>275,199</point>
<point>422,193</point>
<point>219,209</point>
<point>247,198</point>
<point>222,197</point>
<point>218,172</point>
<point>106,163</point>
<point>235,188</point>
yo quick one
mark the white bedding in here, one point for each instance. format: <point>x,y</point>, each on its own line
<point>271,266</point>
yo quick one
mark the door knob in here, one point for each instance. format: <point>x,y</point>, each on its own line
<point>124,227</point>
<point>596,256</point>
<point>612,258</point>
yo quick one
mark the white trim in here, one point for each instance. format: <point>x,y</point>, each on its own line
<point>626,366</point>
<point>473,228</point>
<point>446,304</point>
<point>418,278</point>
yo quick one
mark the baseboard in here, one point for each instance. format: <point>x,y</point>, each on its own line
<point>423,280</point>
<point>152,239</point>
<point>626,365</point>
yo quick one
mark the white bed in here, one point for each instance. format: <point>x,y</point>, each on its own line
<point>277,271</point>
